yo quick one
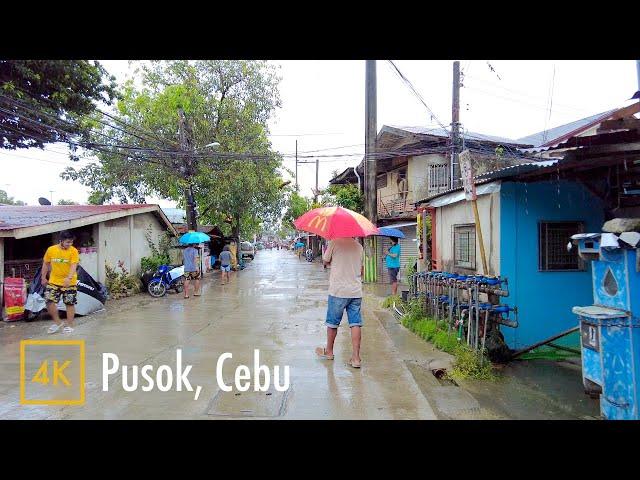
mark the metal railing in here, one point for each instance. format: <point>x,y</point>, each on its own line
<point>395,205</point>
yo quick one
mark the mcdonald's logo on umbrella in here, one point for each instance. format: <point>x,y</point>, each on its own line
<point>335,222</point>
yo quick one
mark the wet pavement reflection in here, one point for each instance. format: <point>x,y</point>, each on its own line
<point>276,305</point>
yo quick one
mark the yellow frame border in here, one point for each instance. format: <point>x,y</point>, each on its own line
<point>23,400</point>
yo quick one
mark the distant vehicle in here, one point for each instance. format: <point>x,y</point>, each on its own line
<point>259,246</point>
<point>247,250</point>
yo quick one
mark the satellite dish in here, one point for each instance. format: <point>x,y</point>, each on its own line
<point>43,201</point>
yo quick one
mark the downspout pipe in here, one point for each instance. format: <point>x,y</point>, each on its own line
<point>355,170</point>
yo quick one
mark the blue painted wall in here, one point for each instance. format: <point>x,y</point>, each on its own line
<point>544,299</point>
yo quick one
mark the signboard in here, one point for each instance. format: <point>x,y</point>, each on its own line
<point>466,172</point>
<point>590,336</point>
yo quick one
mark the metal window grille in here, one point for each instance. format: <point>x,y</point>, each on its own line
<point>438,178</point>
<point>552,240</point>
<point>464,246</point>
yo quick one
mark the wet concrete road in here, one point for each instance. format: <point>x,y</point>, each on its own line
<point>276,305</point>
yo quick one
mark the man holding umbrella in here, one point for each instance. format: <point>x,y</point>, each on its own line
<point>191,260</point>
<point>344,255</point>
<point>392,259</point>
<point>191,270</point>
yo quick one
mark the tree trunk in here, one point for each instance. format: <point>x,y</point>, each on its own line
<point>236,235</point>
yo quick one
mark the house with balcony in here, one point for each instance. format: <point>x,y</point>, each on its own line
<point>413,163</point>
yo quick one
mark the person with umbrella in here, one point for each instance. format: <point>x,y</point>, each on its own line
<point>191,261</point>
<point>392,255</point>
<point>392,259</point>
<point>344,255</point>
<point>191,271</point>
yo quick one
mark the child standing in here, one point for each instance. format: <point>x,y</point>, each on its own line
<point>225,263</point>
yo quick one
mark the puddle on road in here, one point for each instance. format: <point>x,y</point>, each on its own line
<point>271,403</point>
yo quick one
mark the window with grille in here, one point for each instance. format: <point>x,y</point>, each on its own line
<point>438,177</point>
<point>553,238</point>
<point>381,180</point>
<point>464,246</point>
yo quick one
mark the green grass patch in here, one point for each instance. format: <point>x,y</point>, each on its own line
<point>468,364</point>
<point>390,300</point>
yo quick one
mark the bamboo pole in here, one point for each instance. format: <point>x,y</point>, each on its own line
<point>485,270</point>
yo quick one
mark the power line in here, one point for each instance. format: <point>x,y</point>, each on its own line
<point>415,92</point>
<point>521,93</point>
<point>546,123</point>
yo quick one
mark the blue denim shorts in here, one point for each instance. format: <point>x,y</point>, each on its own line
<point>225,268</point>
<point>336,307</point>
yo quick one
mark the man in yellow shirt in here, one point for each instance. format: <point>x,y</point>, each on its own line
<point>62,261</point>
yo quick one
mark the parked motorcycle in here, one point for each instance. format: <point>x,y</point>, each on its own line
<point>309,255</point>
<point>165,278</point>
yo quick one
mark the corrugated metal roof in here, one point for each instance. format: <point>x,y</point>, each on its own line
<point>512,170</point>
<point>13,217</point>
<point>547,137</point>
<point>175,215</point>
<point>440,132</point>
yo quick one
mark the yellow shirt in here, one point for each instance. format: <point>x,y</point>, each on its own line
<point>61,261</point>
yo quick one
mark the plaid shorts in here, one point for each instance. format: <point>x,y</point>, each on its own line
<point>53,293</point>
<point>192,275</point>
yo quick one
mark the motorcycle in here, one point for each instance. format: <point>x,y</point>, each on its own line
<point>165,278</point>
<point>309,255</point>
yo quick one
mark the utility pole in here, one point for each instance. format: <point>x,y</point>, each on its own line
<point>371,194</point>
<point>296,164</point>
<point>455,126</point>
<point>187,167</point>
<point>370,142</point>
<point>638,70</point>
<point>315,197</point>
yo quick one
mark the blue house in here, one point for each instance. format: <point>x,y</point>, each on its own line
<point>528,212</point>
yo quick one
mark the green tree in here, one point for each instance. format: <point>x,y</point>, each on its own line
<point>62,201</point>
<point>297,205</point>
<point>7,200</point>
<point>346,196</point>
<point>42,95</point>
<point>229,102</point>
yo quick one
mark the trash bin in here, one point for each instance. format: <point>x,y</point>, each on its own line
<point>610,329</point>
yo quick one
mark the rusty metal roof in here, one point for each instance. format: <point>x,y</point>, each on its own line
<point>13,217</point>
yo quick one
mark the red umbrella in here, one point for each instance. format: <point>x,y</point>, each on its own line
<point>335,222</point>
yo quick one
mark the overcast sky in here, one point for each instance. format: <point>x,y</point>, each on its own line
<point>323,108</point>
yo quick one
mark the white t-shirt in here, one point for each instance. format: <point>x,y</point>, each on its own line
<point>345,255</point>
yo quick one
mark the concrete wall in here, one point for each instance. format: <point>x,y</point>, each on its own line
<point>544,299</point>
<point>123,239</point>
<point>418,174</point>
<point>461,213</point>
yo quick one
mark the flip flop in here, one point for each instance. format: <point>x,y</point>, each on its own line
<point>322,352</point>
<point>354,365</point>
<point>187,296</point>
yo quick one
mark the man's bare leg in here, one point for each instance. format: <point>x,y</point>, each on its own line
<point>71,313</point>
<point>187,282</point>
<point>394,288</point>
<point>332,333</point>
<point>356,335</point>
<point>197,289</point>
<point>52,308</point>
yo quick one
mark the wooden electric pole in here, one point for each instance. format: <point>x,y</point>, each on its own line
<point>315,196</point>
<point>296,165</point>
<point>455,127</point>
<point>187,168</point>
<point>370,192</point>
<point>370,209</point>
